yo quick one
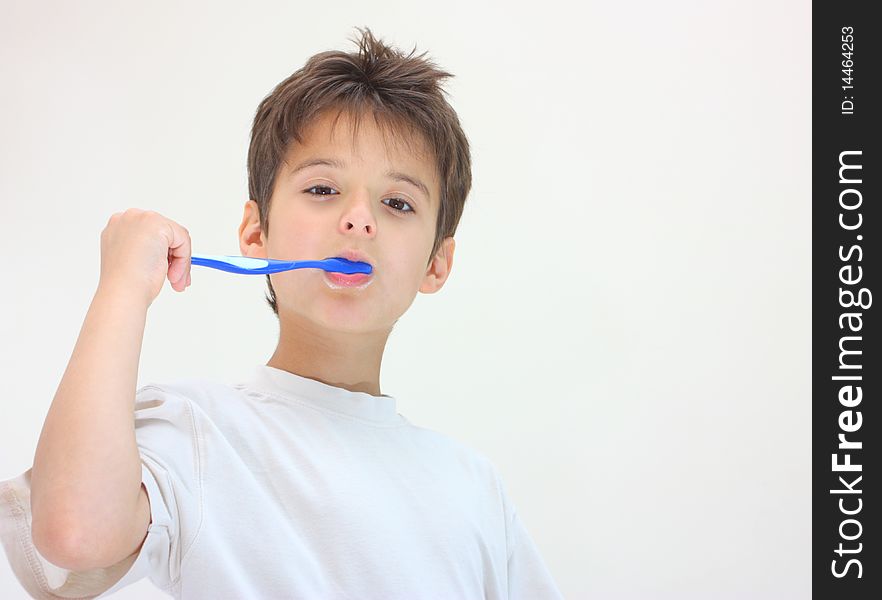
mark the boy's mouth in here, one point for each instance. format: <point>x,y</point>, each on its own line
<point>354,280</point>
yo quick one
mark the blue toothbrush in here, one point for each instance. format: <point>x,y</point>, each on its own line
<point>260,266</point>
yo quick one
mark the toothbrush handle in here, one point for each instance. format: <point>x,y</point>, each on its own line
<point>250,266</point>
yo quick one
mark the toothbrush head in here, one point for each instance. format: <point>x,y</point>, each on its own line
<point>344,265</point>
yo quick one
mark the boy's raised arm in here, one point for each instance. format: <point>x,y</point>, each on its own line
<point>88,506</point>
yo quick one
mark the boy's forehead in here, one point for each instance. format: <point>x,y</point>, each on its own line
<point>339,131</point>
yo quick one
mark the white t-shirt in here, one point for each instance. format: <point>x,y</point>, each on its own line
<point>287,487</point>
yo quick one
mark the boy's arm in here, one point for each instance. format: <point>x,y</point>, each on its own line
<point>88,506</point>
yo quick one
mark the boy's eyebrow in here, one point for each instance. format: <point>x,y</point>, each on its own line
<point>331,162</point>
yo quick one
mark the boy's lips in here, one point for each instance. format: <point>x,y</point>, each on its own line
<point>354,280</point>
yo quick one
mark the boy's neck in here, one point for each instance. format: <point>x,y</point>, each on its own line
<point>346,360</point>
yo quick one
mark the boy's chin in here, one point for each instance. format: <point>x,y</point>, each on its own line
<point>349,317</point>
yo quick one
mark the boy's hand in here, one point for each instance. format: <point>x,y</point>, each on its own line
<point>139,248</point>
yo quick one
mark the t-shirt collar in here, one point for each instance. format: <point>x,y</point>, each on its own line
<point>379,409</point>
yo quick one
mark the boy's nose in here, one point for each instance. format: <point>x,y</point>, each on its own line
<point>368,228</point>
<point>359,215</point>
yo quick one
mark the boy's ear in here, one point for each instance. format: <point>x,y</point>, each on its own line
<point>439,268</point>
<point>252,241</point>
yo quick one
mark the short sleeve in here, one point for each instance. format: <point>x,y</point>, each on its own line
<point>528,576</point>
<point>169,445</point>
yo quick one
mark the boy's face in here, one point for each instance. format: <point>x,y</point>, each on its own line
<point>322,210</point>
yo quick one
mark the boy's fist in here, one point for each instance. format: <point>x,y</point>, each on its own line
<point>139,249</point>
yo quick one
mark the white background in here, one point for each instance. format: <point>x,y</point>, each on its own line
<point>626,330</point>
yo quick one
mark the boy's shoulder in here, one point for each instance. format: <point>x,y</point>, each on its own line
<point>433,441</point>
<point>193,393</point>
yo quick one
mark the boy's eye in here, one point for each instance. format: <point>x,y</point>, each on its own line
<point>394,203</point>
<point>319,187</point>
<point>400,201</point>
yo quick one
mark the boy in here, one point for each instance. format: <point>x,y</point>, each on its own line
<point>303,482</point>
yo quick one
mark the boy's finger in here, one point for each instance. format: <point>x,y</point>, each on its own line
<point>177,269</point>
<point>179,250</point>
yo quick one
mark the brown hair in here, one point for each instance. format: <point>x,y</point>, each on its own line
<point>404,94</point>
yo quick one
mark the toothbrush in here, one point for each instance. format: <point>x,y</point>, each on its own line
<point>246,265</point>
